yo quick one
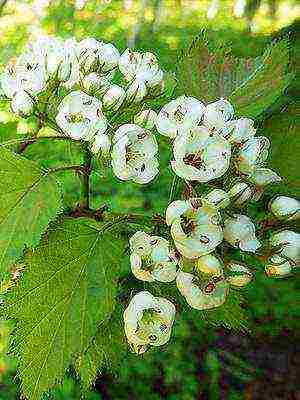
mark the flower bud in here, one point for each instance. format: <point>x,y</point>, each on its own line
<point>101,143</point>
<point>114,97</point>
<point>284,207</point>
<point>239,231</point>
<point>240,193</point>
<point>22,104</point>
<point>146,119</point>
<point>287,245</point>
<point>218,198</point>
<point>239,275</point>
<point>136,91</point>
<point>108,57</point>
<point>278,267</point>
<point>209,264</point>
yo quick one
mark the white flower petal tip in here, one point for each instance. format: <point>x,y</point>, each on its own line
<point>134,154</point>
<point>148,321</point>
<point>239,231</point>
<point>200,155</point>
<point>179,116</point>
<point>195,227</point>
<point>278,267</point>
<point>286,208</point>
<point>218,198</point>
<point>217,114</point>
<point>80,116</point>
<point>152,258</point>
<point>146,119</point>
<point>209,264</point>
<point>287,245</point>
<point>202,295</point>
<point>238,275</point>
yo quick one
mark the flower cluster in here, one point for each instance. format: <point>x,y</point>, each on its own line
<point>79,76</point>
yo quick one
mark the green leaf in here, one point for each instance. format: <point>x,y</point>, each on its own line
<point>208,71</point>
<point>266,83</point>
<point>30,199</point>
<point>67,288</point>
<point>281,129</point>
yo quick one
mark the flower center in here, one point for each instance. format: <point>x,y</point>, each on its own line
<point>179,114</point>
<point>188,225</point>
<point>194,159</point>
<point>73,118</point>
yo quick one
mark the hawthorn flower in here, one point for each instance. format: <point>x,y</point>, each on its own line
<point>136,91</point>
<point>80,116</point>
<point>22,103</point>
<point>218,198</point>
<point>143,68</point>
<point>240,193</point>
<point>238,274</point>
<point>134,154</point>
<point>239,131</point>
<point>146,119</point>
<point>209,264</point>
<point>158,263</point>
<point>278,266</point>
<point>148,321</point>
<point>114,97</point>
<point>239,231</point>
<point>284,207</point>
<point>202,295</point>
<point>217,114</point>
<point>179,115</point>
<point>195,227</point>
<point>200,155</point>
<point>287,244</point>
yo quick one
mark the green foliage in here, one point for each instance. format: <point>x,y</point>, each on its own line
<point>208,70</point>
<point>30,199</point>
<point>67,288</point>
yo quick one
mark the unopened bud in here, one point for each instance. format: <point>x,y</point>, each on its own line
<point>284,207</point>
<point>22,104</point>
<point>136,91</point>
<point>114,97</point>
<point>146,119</point>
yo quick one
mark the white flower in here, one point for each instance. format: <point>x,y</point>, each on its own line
<point>148,321</point>
<point>114,97</point>
<point>159,263</point>
<point>179,115</point>
<point>134,154</point>
<point>287,245</point>
<point>238,131</point>
<point>278,266</point>
<point>88,54</point>
<point>136,91</point>
<point>143,68</point>
<point>217,114</point>
<point>239,231</point>
<point>101,143</point>
<point>240,193</point>
<point>218,198</point>
<point>80,116</point>
<point>263,176</point>
<point>239,275</point>
<point>146,119</point>
<point>202,295</point>
<point>22,104</point>
<point>209,264</point>
<point>252,154</point>
<point>195,227</point>
<point>284,207</point>
<point>108,57</point>
<point>200,155</point>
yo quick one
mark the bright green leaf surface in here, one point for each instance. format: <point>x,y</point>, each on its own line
<point>67,288</point>
<point>30,199</point>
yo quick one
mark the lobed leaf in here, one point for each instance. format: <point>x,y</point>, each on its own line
<point>67,288</point>
<point>30,199</point>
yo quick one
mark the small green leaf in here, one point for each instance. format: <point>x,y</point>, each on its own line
<point>30,199</point>
<point>67,288</point>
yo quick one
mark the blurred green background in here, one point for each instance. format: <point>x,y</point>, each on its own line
<point>199,362</point>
